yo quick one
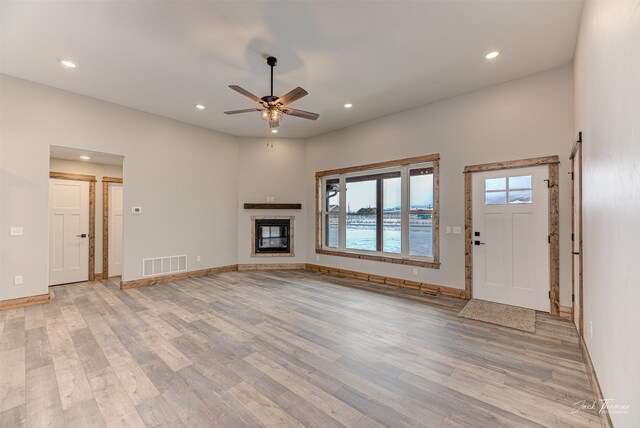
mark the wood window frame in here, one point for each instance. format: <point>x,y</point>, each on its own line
<point>554,224</point>
<point>105,223</point>
<point>433,262</point>
<point>92,214</point>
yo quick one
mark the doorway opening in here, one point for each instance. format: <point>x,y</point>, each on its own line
<point>76,239</point>
<point>512,233</point>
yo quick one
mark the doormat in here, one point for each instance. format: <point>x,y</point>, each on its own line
<point>496,313</point>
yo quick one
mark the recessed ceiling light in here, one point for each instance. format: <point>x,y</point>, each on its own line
<point>347,105</point>
<point>492,55</point>
<point>274,131</point>
<point>85,157</point>
<point>199,106</point>
<point>67,63</point>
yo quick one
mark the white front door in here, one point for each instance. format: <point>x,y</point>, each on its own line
<point>510,232</point>
<point>115,229</point>
<point>68,231</point>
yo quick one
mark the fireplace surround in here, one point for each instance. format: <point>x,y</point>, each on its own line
<point>272,236</point>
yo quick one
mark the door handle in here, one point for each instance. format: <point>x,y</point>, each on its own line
<point>478,243</point>
<point>575,253</point>
<point>84,235</point>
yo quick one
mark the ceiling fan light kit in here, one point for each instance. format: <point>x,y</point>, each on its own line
<point>273,108</point>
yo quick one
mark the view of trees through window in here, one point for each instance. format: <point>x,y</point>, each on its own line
<point>373,212</point>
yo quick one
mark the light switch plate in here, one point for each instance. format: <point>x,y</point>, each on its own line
<point>457,230</point>
<point>18,280</point>
<point>16,231</point>
<point>448,229</point>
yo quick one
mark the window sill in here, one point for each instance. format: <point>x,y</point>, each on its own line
<point>377,258</point>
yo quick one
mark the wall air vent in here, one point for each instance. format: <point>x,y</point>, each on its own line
<point>163,265</point>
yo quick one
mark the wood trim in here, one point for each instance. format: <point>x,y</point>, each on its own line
<point>378,165</point>
<point>605,418</point>
<point>376,258</point>
<point>554,233</point>
<point>435,216</point>
<point>566,312</point>
<point>576,155</point>
<point>99,277</point>
<point>272,266</point>
<point>554,223</point>
<point>24,302</point>
<point>143,282</point>
<point>111,180</point>
<point>68,176</point>
<point>92,214</point>
<point>521,163</point>
<point>404,283</point>
<point>271,206</point>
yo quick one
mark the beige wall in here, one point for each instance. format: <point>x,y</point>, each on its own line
<point>524,118</point>
<point>277,171</point>
<point>184,177</point>
<point>99,171</point>
<point>607,111</point>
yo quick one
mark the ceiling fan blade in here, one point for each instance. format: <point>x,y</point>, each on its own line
<point>300,113</point>
<point>291,96</point>
<point>274,124</point>
<point>246,93</point>
<point>247,110</point>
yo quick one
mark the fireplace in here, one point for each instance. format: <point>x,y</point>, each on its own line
<point>272,237</point>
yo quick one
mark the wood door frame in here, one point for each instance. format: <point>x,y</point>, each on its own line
<point>554,225</point>
<point>105,223</point>
<point>576,154</point>
<point>92,213</point>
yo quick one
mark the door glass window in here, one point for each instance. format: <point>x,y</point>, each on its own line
<point>511,190</point>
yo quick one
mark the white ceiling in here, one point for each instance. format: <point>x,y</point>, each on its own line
<point>383,56</point>
<point>66,153</point>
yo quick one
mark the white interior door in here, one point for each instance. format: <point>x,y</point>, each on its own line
<point>576,239</point>
<point>115,229</point>
<point>510,210</point>
<point>68,231</point>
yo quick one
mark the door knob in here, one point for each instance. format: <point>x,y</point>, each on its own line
<point>84,235</point>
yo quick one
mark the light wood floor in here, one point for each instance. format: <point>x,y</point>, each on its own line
<point>279,348</point>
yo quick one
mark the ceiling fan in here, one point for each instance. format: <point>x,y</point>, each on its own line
<point>273,107</point>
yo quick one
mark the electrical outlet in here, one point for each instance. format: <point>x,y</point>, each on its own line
<point>198,259</point>
<point>18,280</point>
<point>590,329</point>
<point>16,231</point>
<point>318,257</point>
<point>415,271</point>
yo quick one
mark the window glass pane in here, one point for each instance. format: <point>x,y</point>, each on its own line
<point>523,182</point>
<point>332,196</point>
<point>495,183</point>
<point>361,215</point>
<point>391,202</point>
<point>421,190</point>
<point>331,231</point>
<point>420,235</point>
<point>520,196</point>
<point>495,198</point>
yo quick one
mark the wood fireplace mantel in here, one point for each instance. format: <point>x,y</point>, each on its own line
<point>271,206</point>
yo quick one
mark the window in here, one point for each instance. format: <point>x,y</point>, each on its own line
<point>387,211</point>
<point>511,190</point>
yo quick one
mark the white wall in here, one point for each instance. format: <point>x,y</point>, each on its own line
<point>524,118</point>
<point>607,111</point>
<point>184,177</point>
<point>99,171</point>
<point>277,171</point>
